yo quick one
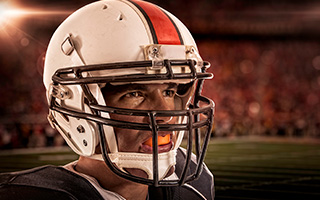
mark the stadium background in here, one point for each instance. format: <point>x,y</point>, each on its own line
<point>266,59</point>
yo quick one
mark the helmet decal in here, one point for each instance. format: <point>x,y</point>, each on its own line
<point>162,27</point>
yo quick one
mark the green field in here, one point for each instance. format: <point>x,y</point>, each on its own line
<point>243,168</point>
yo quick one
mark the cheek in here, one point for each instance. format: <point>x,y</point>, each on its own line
<point>127,118</point>
<point>126,139</point>
<point>170,104</point>
<point>129,140</point>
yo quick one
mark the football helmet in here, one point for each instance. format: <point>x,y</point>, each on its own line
<point>119,42</point>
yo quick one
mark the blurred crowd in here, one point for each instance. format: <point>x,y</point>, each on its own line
<point>260,88</point>
<point>29,136</point>
<point>265,87</point>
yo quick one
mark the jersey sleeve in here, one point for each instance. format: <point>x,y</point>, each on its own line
<point>47,182</point>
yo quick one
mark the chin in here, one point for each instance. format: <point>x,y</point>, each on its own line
<point>142,174</point>
<point>137,172</point>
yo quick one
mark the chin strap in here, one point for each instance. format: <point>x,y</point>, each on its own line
<point>142,161</point>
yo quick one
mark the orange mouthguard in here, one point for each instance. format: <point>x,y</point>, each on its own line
<point>161,140</point>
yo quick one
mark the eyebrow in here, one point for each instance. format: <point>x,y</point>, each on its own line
<point>144,86</point>
<point>121,88</point>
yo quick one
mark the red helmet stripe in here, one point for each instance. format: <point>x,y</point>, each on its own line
<point>162,27</point>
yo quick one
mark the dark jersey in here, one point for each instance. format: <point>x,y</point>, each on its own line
<point>51,182</point>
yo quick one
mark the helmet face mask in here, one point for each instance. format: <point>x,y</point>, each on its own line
<point>81,93</point>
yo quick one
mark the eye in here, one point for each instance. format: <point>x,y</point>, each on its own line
<point>133,95</point>
<point>169,93</point>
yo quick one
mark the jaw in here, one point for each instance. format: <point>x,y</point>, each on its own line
<point>143,174</point>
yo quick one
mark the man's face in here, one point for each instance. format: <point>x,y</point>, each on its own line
<point>142,97</point>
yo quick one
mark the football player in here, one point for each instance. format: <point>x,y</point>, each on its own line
<point>123,81</point>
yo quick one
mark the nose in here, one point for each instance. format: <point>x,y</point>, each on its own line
<point>159,102</point>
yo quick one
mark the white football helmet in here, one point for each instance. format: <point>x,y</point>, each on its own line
<point>120,42</point>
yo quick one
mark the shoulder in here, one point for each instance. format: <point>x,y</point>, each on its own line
<point>204,185</point>
<point>47,182</point>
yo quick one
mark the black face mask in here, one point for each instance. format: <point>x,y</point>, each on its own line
<point>197,123</point>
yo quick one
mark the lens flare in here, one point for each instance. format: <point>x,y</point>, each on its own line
<point>9,12</point>
<point>3,12</point>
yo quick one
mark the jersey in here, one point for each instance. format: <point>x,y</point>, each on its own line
<point>54,182</point>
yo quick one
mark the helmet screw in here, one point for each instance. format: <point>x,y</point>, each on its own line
<point>62,94</point>
<point>80,129</point>
<point>85,143</point>
<point>155,50</point>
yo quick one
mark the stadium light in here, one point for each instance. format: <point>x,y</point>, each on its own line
<point>9,12</point>
<point>3,11</point>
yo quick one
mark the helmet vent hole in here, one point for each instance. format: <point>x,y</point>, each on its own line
<point>81,129</point>
<point>85,143</point>
<point>104,7</point>
<point>120,17</point>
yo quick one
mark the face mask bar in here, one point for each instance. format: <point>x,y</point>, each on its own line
<point>155,128</point>
<point>192,126</point>
<point>75,75</point>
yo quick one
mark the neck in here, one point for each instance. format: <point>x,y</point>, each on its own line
<point>110,181</point>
